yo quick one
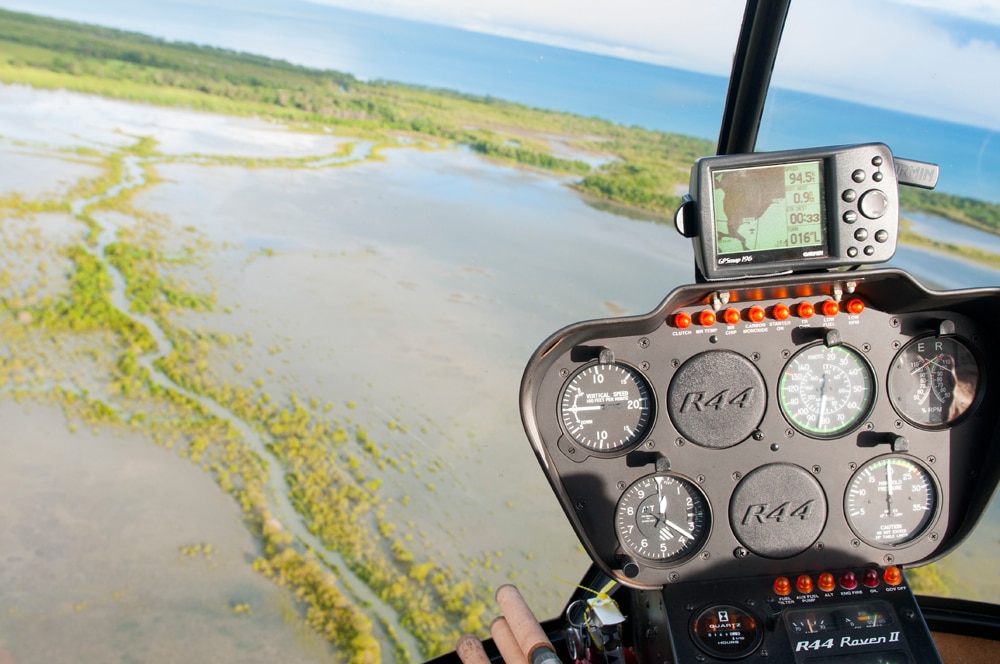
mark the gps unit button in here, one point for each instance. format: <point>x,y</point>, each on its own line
<point>861,235</point>
<point>850,217</point>
<point>873,203</point>
<point>849,195</point>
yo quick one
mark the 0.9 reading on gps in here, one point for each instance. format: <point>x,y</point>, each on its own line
<point>769,212</point>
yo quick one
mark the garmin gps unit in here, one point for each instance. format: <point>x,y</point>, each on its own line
<point>798,210</point>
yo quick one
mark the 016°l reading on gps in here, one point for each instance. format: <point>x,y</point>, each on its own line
<point>769,213</point>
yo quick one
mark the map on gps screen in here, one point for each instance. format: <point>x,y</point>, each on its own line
<point>764,208</point>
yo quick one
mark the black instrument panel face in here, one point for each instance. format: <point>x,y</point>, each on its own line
<point>799,421</point>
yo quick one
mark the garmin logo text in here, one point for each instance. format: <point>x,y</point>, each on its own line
<point>916,173</point>
<point>811,254</point>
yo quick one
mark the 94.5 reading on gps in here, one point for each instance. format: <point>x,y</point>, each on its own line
<point>606,407</point>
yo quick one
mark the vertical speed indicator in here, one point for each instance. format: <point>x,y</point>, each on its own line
<point>606,407</point>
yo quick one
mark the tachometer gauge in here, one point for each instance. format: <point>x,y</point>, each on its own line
<point>606,407</point>
<point>662,518</point>
<point>933,381</point>
<point>826,391</point>
<point>890,501</point>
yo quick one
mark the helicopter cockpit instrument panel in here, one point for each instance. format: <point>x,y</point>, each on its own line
<point>833,426</point>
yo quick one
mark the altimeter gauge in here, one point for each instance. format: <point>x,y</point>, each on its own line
<point>606,407</point>
<point>662,518</point>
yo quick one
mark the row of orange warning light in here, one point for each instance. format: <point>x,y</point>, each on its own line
<point>827,582</point>
<point>757,314</point>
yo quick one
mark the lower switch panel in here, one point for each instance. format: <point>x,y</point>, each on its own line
<point>852,616</point>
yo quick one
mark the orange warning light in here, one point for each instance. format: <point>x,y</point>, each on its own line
<point>755,314</point>
<point>892,576</point>
<point>805,310</point>
<point>830,308</point>
<point>804,584</point>
<point>855,306</point>
<point>706,318</point>
<point>782,586</point>
<point>731,316</point>
<point>826,582</point>
<point>781,312</point>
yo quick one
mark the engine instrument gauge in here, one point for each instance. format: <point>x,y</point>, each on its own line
<point>934,381</point>
<point>826,391</point>
<point>890,501</point>
<point>662,518</point>
<point>606,407</point>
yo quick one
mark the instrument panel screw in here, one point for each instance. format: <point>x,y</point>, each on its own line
<point>820,546</point>
<point>689,607</point>
<point>740,552</point>
<point>563,373</point>
<point>785,354</point>
<point>816,469</point>
<point>909,614</point>
<point>932,459</point>
<point>898,424</point>
<point>894,322</point>
<point>621,486</point>
<point>852,466</point>
<point>789,433</point>
<point>933,537</point>
<point>737,476</point>
<point>581,504</point>
<point>650,444</point>
<point>643,342</point>
<point>855,543</point>
<point>896,345</point>
<point>866,347</point>
<point>701,479</point>
<point>755,357</point>
<point>705,555</point>
<point>674,577</point>
<point>758,435</point>
<point>869,426</point>
<point>889,559</point>
<point>975,338</point>
<point>763,652</point>
<point>679,442</point>
<point>644,366</point>
<point>675,363</point>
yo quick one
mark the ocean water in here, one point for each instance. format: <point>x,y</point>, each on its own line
<point>632,93</point>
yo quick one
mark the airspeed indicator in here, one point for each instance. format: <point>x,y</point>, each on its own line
<point>606,407</point>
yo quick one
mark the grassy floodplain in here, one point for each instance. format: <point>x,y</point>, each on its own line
<point>68,343</point>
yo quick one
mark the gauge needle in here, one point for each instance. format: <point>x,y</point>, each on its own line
<point>822,400</point>
<point>888,481</point>
<point>663,499</point>
<point>678,528</point>
<point>926,362</point>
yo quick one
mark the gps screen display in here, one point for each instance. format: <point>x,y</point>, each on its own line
<point>769,213</point>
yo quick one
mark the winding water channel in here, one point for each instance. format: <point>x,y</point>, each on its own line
<point>381,614</point>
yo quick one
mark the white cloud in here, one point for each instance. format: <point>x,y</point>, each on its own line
<point>897,54</point>
<point>884,55</point>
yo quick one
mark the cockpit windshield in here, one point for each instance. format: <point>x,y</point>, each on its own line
<point>272,272</point>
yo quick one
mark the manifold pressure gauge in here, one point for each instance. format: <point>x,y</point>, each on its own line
<point>891,501</point>
<point>662,518</point>
<point>606,407</point>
